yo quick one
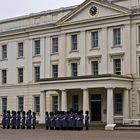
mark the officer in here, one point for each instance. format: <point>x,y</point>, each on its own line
<point>23,120</point>
<point>52,121</point>
<point>8,118</point>
<point>4,119</point>
<point>18,118</point>
<point>34,120</point>
<point>47,121</point>
<point>86,120</point>
<point>13,120</point>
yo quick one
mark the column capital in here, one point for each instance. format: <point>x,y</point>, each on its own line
<point>84,89</point>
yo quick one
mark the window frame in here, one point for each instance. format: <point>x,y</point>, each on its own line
<point>74,42</point>
<point>74,72</point>
<point>54,71</point>
<point>37,47</point>
<point>21,104</point>
<point>37,104</point>
<point>20,49</point>
<point>55,44</point>
<point>4,76</point>
<point>94,71</point>
<point>36,75</point>
<point>117,36</point>
<point>54,103</point>
<point>20,76</point>
<point>118,72</point>
<point>94,39</point>
<point>4,106</point>
<point>75,102</point>
<point>4,51</point>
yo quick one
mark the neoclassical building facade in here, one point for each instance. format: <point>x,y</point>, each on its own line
<point>85,57</point>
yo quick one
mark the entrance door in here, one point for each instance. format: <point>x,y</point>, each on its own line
<point>96,108</point>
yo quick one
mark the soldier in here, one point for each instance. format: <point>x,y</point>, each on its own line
<point>52,121</point>
<point>18,118</point>
<point>57,121</point>
<point>71,120</point>
<point>23,120</point>
<point>28,120</point>
<point>47,121</point>
<point>13,120</point>
<point>34,120</point>
<point>4,119</point>
<point>64,121</point>
<point>8,118</point>
<point>86,120</point>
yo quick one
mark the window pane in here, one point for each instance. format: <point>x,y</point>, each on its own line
<point>20,75</point>
<point>55,71</point>
<point>4,103</point>
<point>37,73</point>
<point>20,49</point>
<point>55,45</point>
<point>20,103</point>
<point>94,39</point>
<point>94,67</point>
<point>37,104</point>
<point>117,36</point>
<point>4,51</point>
<point>74,42</point>
<point>75,102</point>
<point>117,66</point>
<point>54,103</point>
<point>118,103</point>
<point>74,69</point>
<point>4,76</point>
<point>37,47</point>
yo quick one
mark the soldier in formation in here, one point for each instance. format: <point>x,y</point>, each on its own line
<point>17,121</point>
<point>70,120</point>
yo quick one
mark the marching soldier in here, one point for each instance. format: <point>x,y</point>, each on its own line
<point>64,121</point>
<point>4,119</point>
<point>23,120</point>
<point>34,120</point>
<point>18,118</point>
<point>52,121</point>
<point>57,121</point>
<point>86,120</point>
<point>47,121</point>
<point>8,118</point>
<point>13,120</point>
<point>28,121</point>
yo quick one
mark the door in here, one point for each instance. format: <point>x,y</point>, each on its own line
<point>96,107</point>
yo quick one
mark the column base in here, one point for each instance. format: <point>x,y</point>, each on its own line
<point>110,127</point>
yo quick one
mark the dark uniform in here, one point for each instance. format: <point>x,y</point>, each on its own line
<point>8,118</point>
<point>28,120</point>
<point>86,120</point>
<point>47,121</point>
<point>64,121</point>
<point>13,120</point>
<point>4,119</point>
<point>71,121</point>
<point>18,118</point>
<point>52,121</point>
<point>57,121</point>
<point>23,120</point>
<point>34,120</point>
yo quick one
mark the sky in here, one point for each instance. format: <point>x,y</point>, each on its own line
<point>14,8</point>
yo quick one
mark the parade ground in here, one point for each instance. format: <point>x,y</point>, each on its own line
<point>40,134</point>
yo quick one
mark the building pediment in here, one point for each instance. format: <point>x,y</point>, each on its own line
<point>93,9</point>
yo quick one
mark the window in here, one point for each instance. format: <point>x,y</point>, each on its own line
<point>20,49</point>
<point>54,103</point>
<point>139,34</point>
<point>4,76</point>
<point>118,103</point>
<point>75,102</point>
<point>4,51</point>
<point>37,104</point>
<point>37,73</point>
<point>55,45</point>
<point>139,66</point>
<point>74,42</point>
<point>94,39</point>
<point>74,69</point>
<point>117,36</point>
<point>54,71</point>
<point>117,66</point>
<point>94,67</point>
<point>20,103</point>
<point>37,47</point>
<point>20,75</point>
<point>4,103</point>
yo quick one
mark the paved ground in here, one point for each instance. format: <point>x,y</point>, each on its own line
<point>39,134</point>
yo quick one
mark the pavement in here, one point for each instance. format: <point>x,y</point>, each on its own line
<point>41,134</point>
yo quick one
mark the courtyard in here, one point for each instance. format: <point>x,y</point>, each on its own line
<point>41,134</point>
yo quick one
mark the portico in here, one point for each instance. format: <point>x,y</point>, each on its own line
<point>96,95</point>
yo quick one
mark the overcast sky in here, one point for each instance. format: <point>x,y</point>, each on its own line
<point>14,8</point>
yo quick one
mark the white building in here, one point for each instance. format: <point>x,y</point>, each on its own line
<point>87,56</point>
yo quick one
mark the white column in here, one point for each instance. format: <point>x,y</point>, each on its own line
<point>59,101</point>
<point>126,104</point>
<point>42,106</point>
<point>63,100</point>
<point>110,106</point>
<point>85,100</point>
